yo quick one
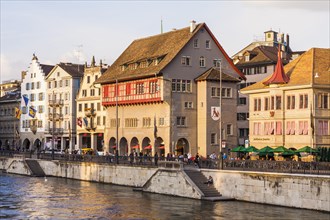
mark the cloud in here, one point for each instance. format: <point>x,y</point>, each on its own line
<point>74,56</point>
<point>317,5</point>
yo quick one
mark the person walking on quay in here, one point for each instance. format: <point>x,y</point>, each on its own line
<point>131,158</point>
<point>156,159</point>
<point>117,157</point>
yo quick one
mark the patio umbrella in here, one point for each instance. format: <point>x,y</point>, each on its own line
<point>266,150</point>
<point>280,149</point>
<point>288,153</point>
<point>238,149</point>
<point>251,149</point>
<point>307,149</point>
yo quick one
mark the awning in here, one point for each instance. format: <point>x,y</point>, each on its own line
<point>114,147</point>
<point>136,147</point>
<point>162,147</point>
<point>149,147</point>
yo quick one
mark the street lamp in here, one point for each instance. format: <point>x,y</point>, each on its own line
<point>218,62</point>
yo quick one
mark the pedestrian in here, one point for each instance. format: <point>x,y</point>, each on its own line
<point>156,159</point>
<point>197,160</point>
<point>131,158</point>
<point>209,181</point>
<point>117,157</point>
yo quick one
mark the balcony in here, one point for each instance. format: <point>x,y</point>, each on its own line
<point>55,102</point>
<point>56,116</point>
<point>56,131</point>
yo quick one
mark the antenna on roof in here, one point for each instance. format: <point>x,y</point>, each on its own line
<point>161,25</point>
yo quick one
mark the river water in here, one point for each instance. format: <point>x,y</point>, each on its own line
<point>23,197</point>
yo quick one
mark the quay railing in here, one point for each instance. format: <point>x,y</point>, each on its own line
<point>294,167</point>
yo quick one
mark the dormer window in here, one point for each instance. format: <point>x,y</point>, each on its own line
<point>143,64</point>
<point>247,57</point>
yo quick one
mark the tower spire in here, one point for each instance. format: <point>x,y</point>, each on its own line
<point>279,76</point>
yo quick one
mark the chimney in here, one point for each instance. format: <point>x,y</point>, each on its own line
<point>192,26</point>
<point>287,42</point>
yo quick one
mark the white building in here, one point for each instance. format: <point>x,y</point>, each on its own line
<point>33,88</point>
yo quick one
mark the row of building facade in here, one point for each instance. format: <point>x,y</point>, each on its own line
<point>162,94</point>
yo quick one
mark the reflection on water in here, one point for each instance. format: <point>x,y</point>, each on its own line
<point>24,197</point>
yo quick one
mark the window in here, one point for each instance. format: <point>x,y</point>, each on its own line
<point>243,132</point>
<point>269,128</point>
<point>278,128</point>
<point>40,109</point>
<point>85,106</point>
<point>98,120</point>
<point>242,116</point>
<point>303,101</point>
<point>39,123</point>
<point>49,85</point>
<point>290,128</point>
<point>257,104</point>
<point>272,103</point>
<point>303,128</point>
<point>58,74</point>
<point>179,85</point>
<point>266,103</point>
<point>88,79</point>
<point>38,85</point>
<point>196,43</point>
<point>92,92</point>
<point>229,129</point>
<point>257,128</point>
<point>323,100</point>
<point>153,87</point>
<point>113,122</point>
<point>139,88</point>
<point>278,102</point>
<point>180,121</point>
<point>131,122</point>
<point>84,93</point>
<point>216,63</point>
<point>95,78</point>
<point>146,122</point>
<point>185,60</point>
<point>242,101</point>
<point>27,86</point>
<point>66,110</point>
<point>161,121</point>
<point>61,83</point>
<point>188,105</point>
<point>208,44</point>
<point>80,107</point>
<point>323,127</point>
<point>32,85</point>
<point>226,92</point>
<point>40,96</point>
<point>66,82</point>
<point>55,84</point>
<point>103,120</point>
<point>213,138</point>
<point>32,97</point>
<point>98,106</point>
<point>290,102</point>
<point>202,61</point>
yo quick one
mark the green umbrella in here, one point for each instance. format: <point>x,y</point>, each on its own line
<point>251,149</point>
<point>280,149</point>
<point>266,150</point>
<point>288,153</point>
<point>307,149</point>
<point>238,149</point>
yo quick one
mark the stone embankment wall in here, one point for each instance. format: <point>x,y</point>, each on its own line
<point>291,190</point>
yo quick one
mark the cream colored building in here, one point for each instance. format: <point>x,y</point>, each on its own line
<point>9,86</point>
<point>157,100</point>
<point>90,109</point>
<point>291,107</point>
<point>63,83</point>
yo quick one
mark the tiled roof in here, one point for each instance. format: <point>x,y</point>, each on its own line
<point>213,74</point>
<point>75,70</point>
<point>302,70</point>
<point>46,68</point>
<point>163,47</point>
<point>263,54</point>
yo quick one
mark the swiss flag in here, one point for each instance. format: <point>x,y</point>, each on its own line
<point>79,122</point>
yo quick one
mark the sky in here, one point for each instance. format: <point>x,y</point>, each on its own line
<point>74,31</point>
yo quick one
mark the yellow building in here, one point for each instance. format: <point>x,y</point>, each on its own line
<point>291,107</point>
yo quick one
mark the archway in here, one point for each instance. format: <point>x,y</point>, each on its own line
<point>135,146</point>
<point>123,146</point>
<point>26,144</point>
<point>146,145</point>
<point>160,146</point>
<point>182,146</point>
<point>112,145</point>
<point>37,145</point>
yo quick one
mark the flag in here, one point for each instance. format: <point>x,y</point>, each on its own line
<point>86,122</point>
<point>26,99</point>
<point>32,112</point>
<point>18,113</point>
<point>79,122</point>
<point>155,127</point>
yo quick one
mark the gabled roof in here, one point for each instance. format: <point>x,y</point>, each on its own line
<point>75,70</point>
<point>303,69</point>
<point>46,68</point>
<point>212,74</point>
<point>263,54</point>
<point>278,77</point>
<point>163,47</point>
